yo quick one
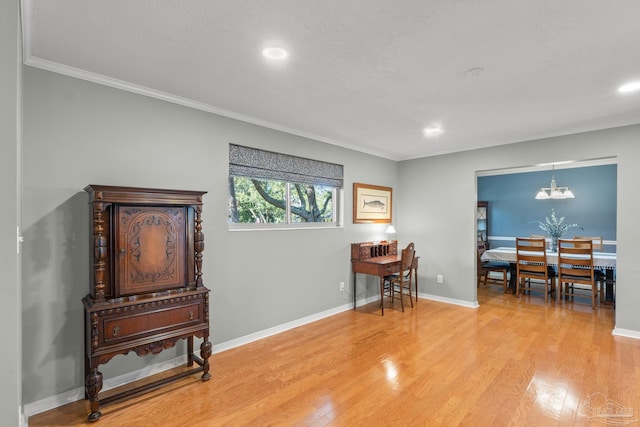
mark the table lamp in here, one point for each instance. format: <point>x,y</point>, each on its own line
<point>390,231</point>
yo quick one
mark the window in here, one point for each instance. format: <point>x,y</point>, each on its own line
<point>271,190</point>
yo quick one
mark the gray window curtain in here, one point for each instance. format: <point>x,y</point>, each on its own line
<point>261,164</point>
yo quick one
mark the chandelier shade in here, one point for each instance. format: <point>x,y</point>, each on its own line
<point>554,192</point>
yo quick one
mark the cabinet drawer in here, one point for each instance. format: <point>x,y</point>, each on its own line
<point>128,326</point>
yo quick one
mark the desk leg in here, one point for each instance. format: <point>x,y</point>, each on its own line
<point>382,295</point>
<point>354,290</point>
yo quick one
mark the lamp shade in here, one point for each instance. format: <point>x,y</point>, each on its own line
<point>542,195</point>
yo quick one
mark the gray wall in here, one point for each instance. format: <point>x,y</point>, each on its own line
<point>78,133</point>
<point>437,201</point>
<point>10,336</point>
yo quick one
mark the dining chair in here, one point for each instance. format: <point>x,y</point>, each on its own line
<point>487,267</point>
<point>600,275</point>
<point>400,282</point>
<point>541,236</point>
<point>596,241</point>
<point>531,264</point>
<point>575,267</point>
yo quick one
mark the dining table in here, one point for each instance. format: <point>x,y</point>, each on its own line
<point>601,260</point>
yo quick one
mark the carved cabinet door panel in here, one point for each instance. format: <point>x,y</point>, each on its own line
<point>150,249</point>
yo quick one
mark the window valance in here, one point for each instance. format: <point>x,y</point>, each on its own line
<point>261,164</point>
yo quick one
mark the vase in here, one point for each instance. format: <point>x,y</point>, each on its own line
<point>554,243</point>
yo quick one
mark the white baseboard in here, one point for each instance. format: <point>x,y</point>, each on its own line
<point>78,393</point>
<point>449,300</point>
<point>280,328</point>
<point>626,333</point>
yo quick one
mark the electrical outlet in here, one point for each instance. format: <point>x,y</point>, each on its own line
<point>341,286</point>
<point>440,278</point>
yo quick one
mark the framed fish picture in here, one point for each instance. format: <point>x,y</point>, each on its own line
<point>371,204</point>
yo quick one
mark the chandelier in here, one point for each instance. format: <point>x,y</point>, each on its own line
<point>554,192</point>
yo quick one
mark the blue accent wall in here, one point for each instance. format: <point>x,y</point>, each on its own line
<point>513,207</point>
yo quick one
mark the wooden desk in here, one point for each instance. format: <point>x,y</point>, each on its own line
<point>381,266</point>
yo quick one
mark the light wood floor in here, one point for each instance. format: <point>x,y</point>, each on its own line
<point>508,363</point>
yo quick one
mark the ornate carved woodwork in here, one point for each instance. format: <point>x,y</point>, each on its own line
<point>366,250</point>
<point>146,291</point>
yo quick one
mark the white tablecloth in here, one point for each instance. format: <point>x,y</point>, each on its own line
<point>600,259</point>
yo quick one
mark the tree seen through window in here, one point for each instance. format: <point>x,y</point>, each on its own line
<point>278,202</point>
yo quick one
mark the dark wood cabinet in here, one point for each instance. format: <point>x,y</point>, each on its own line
<point>482,222</point>
<point>146,290</point>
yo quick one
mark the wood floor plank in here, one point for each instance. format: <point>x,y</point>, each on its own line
<point>510,362</point>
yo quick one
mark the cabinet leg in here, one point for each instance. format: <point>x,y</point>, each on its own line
<point>93,385</point>
<point>205,353</point>
<point>190,351</point>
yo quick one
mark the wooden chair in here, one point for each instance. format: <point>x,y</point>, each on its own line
<point>597,242</point>
<point>575,267</point>
<point>600,275</point>
<point>541,236</point>
<point>531,264</point>
<point>401,282</point>
<point>487,267</point>
<point>538,236</point>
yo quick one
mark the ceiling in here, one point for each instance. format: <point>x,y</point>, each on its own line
<point>368,75</point>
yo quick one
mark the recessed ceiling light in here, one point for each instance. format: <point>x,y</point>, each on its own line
<point>474,72</point>
<point>629,87</point>
<point>432,131</point>
<point>276,53</point>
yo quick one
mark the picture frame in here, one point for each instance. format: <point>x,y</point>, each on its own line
<point>372,204</point>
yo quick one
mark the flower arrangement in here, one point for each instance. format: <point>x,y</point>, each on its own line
<point>556,227</point>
